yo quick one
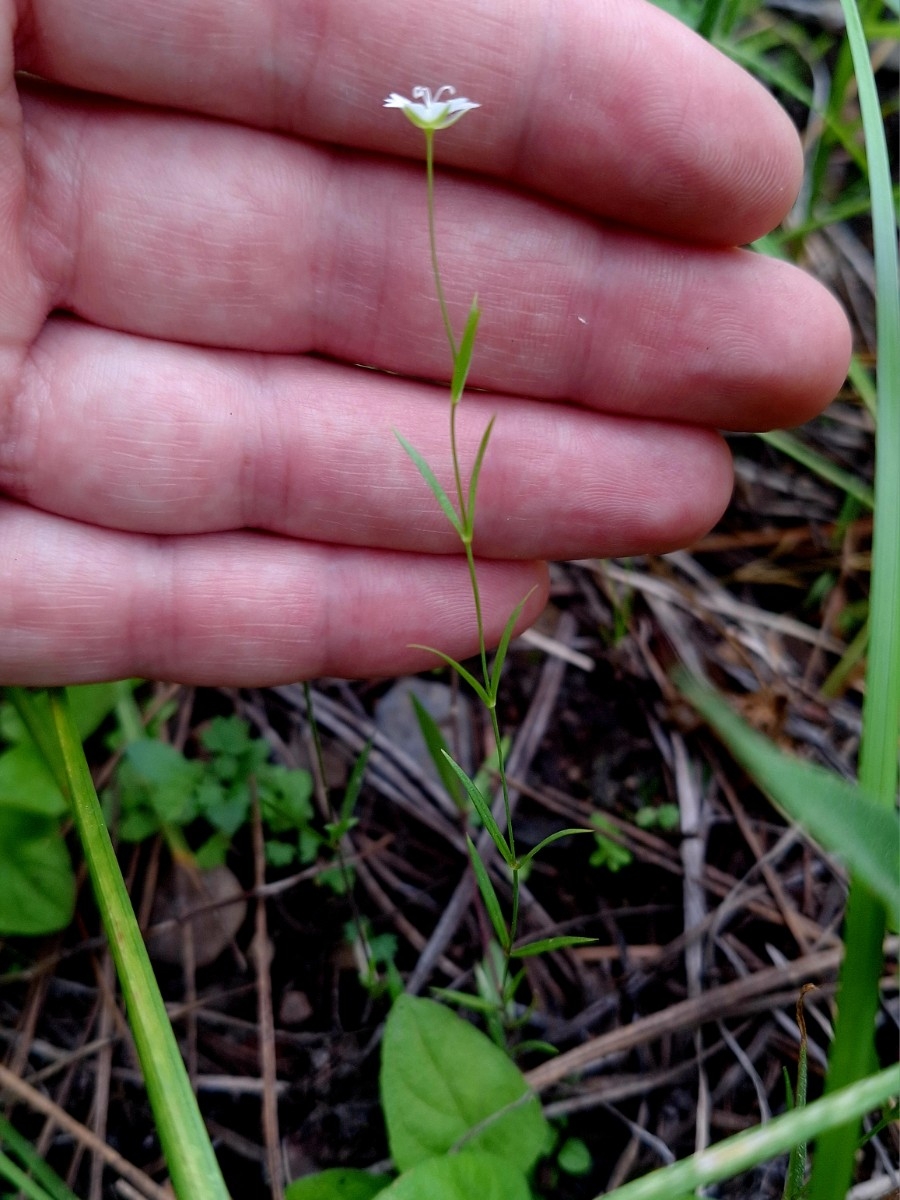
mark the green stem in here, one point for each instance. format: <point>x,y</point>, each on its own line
<point>432,239</point>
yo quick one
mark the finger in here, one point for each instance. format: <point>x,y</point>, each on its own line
<point>140,435</point>
<point>213,234</point>
<point>82,604</point>
<point>615,107</point>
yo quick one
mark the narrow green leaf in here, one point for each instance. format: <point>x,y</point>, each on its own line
<point>461,671</point>
<point>503,648</point>
<point>553,837</point>
<point>548,945</point>
<point>463,359</point>
<point>354,783</point>
<point>840,815</point>
<point>852,1053</point>
<point>476,475</point>
<point>790,445</point>
<point>479,1004</point>
<point>488,894</point>
<point>483,808</point>
<point>437,748</point>
<point>430,478</point>
<point>746,1150</point>
<point>37,1168</point>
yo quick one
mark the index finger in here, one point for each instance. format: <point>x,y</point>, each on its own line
<point>614,107</point>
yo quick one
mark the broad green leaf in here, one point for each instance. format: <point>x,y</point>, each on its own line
<point>463,357</point>
<point>470,1175</point>
<point>337,1184</point>
<point>26,783</point>
<point>37,895</point>
<point>431,479</point>
<point>91,704</point>
<point>440,1078</point>
<point>837,813</point>
<point>483,809</point>
<point>547,945</point>
<point>488,895</point>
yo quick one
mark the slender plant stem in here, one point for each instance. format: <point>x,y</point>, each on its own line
<point>432,239</point>
<point>466,518</point>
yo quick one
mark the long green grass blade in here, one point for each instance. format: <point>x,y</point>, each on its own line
<point>840,815</point>
<point>852,1051</point>
<point>746,1150</point>
<point>38,1170</point>
<point>819,465</point>
<point>192,1164</point>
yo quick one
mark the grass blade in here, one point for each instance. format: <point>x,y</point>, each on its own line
<point>838,814</point>
<point>189,1155</point>
<point>746,1150</point>
<point>852,1051</point>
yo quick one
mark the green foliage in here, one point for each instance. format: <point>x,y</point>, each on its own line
<point>461,1121</point>
<point>470,1173</point>
<point>444,1085</point>
<point>609,853</point>
<point>337,1184</point>
<point>38,892</point>
<point>838,814</point>
<point>157,789</point>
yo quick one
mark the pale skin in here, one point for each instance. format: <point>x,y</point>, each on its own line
<point>208,220</point>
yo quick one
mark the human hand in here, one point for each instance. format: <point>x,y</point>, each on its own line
<point>200,244</point>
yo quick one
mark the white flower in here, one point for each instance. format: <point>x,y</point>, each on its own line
<point>431,112</point>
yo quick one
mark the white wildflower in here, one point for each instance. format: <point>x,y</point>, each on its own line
<point>432,112</point>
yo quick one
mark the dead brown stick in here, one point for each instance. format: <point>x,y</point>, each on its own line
<point>688,1014</point>
<point>26,1094</point>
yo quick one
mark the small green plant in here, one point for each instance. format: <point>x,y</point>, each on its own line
<point>608,853</point>
<point>461,1120</point>
<point>157,789</point>
<point>432,112</point>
